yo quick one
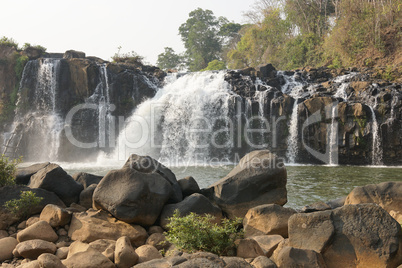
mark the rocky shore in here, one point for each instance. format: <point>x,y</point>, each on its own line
<point>119,220</point>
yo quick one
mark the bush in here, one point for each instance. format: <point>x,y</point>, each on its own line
<point>9,42</point>
<point>7,170</point>
<point>131,57</point>
<point>215,65</point>
<point>23,206</point>
<point>195,232</point>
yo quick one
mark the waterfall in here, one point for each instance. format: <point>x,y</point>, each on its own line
<point>187,120</point>
<point>333,138</point>
<point>37,124</point>
<point>376,158</point>
<point>261,97</point>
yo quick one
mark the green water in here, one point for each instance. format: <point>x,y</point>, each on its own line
<point>305,184</point>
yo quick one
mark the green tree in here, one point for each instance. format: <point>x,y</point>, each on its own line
<point>7,170</point>
<point>215,65</point>
<point>169,59</point>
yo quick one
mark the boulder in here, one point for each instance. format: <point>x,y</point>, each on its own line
<point>146,253</point>
<point>55,216</point>
<point>49,261</point>
<point>236,262</point>
<point>88,259</point>
<point>124,254</point>
<point>189,186</point>
<point>71,54</point>
<point>147,164</point>
<point>32,249</point>
<point>54,179</point>
<point>267,220</point>
<point>23,174</point>
<point>259,178</point>
<point>85,227</point>
<point>387,195</point>
<point>158,240</point>
<point>249,248</point>
<point>196,203</point>
<point>155,229</point>
<point>86,179</point>
<point>104,246</point>
<point>86,196</point>
<point>294,257</point>
<point>40,230</point>
<point>365,234</point>
<point>75,247</point>
<point>132,196</point>
<point>62,253</point>
<point>263,262</point>
<point>13,192</point>
<point>268,243</point>
<point>266,71</point>
<point>7,245</point>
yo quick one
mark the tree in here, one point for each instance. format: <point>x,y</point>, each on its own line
<point>169,59</point>
<point>215,65</point>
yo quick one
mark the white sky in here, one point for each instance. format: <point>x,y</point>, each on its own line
<point>99,27</point>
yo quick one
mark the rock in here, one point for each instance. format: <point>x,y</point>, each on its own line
<point>158,240</point>
<point>124,254</point>
<point>4,233</point>
<point>266,71</point>
<point>249,248</point>
<point>268,243</point>
<point>263,262</point>
<point>86,196</point>
<point>13,192</point>
<point>294,257</point>
<point>156,263</point>
<point>104,246</point>
<point>55,216</point>
<point>54,179</point>
<point>62,253</point>
<point>23,174</point>
<point>155,229</point>
<point>267,219</point>
<point>71,54</point>
<point>85,227</point>
<point>202,259</point>
<point>40,230</point>
<point>387,195</point>
<point>75,208</point>
<point>146,253</point>
<point>337,203</point>
<point>132,196</point>
<point>77,246</point>
<point>88,259</point>
<point>236,262</point>
<point>189,186</point>
<point>7,245</point>
<point>317,206</point>
<point>196,203</point>
<point>32,220</point>
<point>146,164</point>
<point>259,178</point>
<point>86,179</point>
<point>29,264</point>
<point>32,249</point>
<point>49,261</point>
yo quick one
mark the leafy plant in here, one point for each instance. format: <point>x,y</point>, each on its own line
<point>197,232</point>
<point>215,65</point>
<point>22,207</point>
<point>9,42</point>
<point>131,57</point>
<point>7,170</point>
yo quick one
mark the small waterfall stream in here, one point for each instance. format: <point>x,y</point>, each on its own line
<point>376,158</point>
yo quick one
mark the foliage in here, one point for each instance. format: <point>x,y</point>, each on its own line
<point>195,232</point>
<point>28,45</point>
<point>7,170</point>
<point>9,42</point>
<point>215,65</point>
<point>169,60</point>
<point>130,57</point>
<point>23,206</point>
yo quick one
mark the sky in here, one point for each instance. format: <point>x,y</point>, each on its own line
<point>99,27</point>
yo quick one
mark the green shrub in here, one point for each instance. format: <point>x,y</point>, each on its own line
<point>215,65</point>
<point>9,42</point>
<point>131,57</point>
<point>195,232</point>
<point>23,206</point>
<point>7,170</point>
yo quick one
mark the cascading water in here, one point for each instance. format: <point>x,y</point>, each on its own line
<point>376,158</point>
<point>187,121</point>
<point>333,139</point>
<point>37,124</point>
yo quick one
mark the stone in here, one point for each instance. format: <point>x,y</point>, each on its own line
<point>158,240</point>
<point>337,203</point>
<point>88,259</point>
<point>249,248</point>
<point>23,174</point>
<point>4,233</point>
<point>40,230</point>
<point>7,245</point>
<point>54,179</point>
<point>55,216</point>
<point>22,225</point>
<point>62,253</point>
<point>268,243</point>
<point>156,263</point>
<point>266,71</point>
<point>124,254</point>
<point>147,164</point>
<point>146,253</point>
<point>71,54</point>
<point>236,262</point>
<point>155,229</point>
<point>189,186</point>
<point>86,196</point>
<point>387,195</point>
<point>259,178</point>
<point>132,196</point>
<point>75,247</point>
<point>263,262</point>
<point>49,261</point>
<point>313,231</point>
<point>317,206</point>
<point>266,220</point>
<point>84,227</point>
<point>196,203</point>
<point>86,179</point>
<point>294,257</point>
<point>29,264</point>
<point>32,249</point>
<point>104,246</point>
<point>32,220</point>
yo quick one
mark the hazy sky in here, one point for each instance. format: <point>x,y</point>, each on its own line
<point>99,27</point>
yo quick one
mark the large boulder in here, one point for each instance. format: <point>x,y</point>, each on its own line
<point>32,249</point>
<point>86,179</point>
<point>84,227</point>
<point>124,254</point>
<point>387,195</point>
<point>196,203</point>
<point>259,178</point>
<point>189,186</point>
<point>40,230</point>
<point>7,245</point>
<point>147,164</point>
<point>54,179</point>
<point>363,234</point>
<point>295,257</point>
<point>23,174</point>
<point>71,54</point>
<point>88,259</point>
<point>86,196</point>
<point>132,196</point>
<point>55,215</point>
